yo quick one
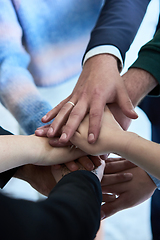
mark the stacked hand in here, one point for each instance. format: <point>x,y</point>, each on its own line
<point>130,183</point>
<point>99,84</point>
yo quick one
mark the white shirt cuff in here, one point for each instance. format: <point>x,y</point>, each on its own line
<point>104,49</point>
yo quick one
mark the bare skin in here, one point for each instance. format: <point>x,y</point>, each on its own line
<point>138,83</point>
<point>113,139</point>
<point>99,83</point>
<point>130,193</point>
<point>41,178</point>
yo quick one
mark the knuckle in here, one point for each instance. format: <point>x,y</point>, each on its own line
<point>97,92</point>
<point>84,94</point>
<point>128,102</point>
<point>67,129</point>
<point>74,115</point>
<point>95,114</point>
<point>110,168</point>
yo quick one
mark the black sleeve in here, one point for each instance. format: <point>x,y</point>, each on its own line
<point>7,175</point>
<point>72,211</point>
<point>118,24</point>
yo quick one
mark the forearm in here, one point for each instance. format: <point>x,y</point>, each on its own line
<point>16,151</point>
<point>140,151</point>
<point>138,83</point>
<point>20,150</point>
<point>144,75</point>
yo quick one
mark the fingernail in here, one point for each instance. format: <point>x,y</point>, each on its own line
<point>102,215</point>
<point>50,131</point>
<point>90,166</point>
<point>44,117</point>
<point>39,131</point>
<point>91,137</point>
<point>74,167</point>
<point>128,175</point>
<point>63,136</point>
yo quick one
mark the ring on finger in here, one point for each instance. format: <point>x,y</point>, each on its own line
<point>71,103</point>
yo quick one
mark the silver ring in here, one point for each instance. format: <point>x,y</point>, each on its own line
<point>71,103</point>
<point>73,146</point>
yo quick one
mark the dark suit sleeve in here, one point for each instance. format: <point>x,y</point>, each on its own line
<point>72,211</point>
<point>118,24</point>
<point>7,175</point>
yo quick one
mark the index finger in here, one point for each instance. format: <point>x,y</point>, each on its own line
<point>95,118</point>
<point>118,166</point>
<point>112,179</point>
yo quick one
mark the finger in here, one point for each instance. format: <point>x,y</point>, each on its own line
<point>118,166</point>
<point>110,208</point>
<point>60,119</point>
<point>58,166</point>
<point>109,197</point>
<point>125,103</point>
<point>87,163</point>
<point>96,160</point>
<point>52,113</point>
<point>41,132</point>
<point>54,142</point>
<point>72,166</point>
<point>95,119</point>
<point>117,188</point>
<point>110,179</point>
<point>76,116</point>
<point>104,157</point>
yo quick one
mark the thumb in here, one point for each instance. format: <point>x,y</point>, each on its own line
<point>125,103</point>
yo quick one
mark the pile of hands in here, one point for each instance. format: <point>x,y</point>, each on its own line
<point>123,184</point>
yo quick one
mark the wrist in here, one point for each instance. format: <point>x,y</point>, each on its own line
<point>138,83</point>
<point>34,147</point>
<point>127,144</point>
<point>109,60</point>
<point>119,142</point>
<point>105,49</point>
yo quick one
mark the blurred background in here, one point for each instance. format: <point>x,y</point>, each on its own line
<point>128,224</point>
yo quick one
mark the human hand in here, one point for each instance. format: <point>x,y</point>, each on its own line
<point>42,179</point>
<point>39,177</point>
<point>119,116</point>
<point>98,84</point>
<point>42,153</point>
<point>109,139</point>
<point>61,172</point>
<point>138,83</point>
<point>90,162</point>
<point>130,193</point>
